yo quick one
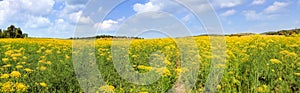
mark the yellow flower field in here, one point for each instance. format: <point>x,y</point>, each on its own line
<point>253,64</point>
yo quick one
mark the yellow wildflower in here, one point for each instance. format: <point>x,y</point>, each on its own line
<point>7,87</point>
<point>7,65</point>
<point>260,89</point>
<point>134,56</point>
<point>4,76</point>
<point>219,87</point>
<point>48,51</point>
<point>167,62</point>
<point>24,57</point>
<point>5,60</point>
<point>67,57</point>
<point>42,61</point>
<point>43,68</point>
<point>297,74</point>
<point>275,61</point>
<point>28,70</point>
<point>43,84</point>
<point>144,67</point>
<point>15,74</point>
<point>178,70</point>
<point>163,71</point>
<point>15,58</point>
<point>49,62</point>
<point>19,66</point>
<point>20,87</point>
<point>107,89</point>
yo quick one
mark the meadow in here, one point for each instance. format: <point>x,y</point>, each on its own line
<point>253,64</point>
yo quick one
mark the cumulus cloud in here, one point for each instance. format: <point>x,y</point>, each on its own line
<point>267,13</point>
<point>252,15</point>
<point>227,3</point>
<point>229,13</point>
<point>109,25</point>
<point>275,7</point>
<point>76,2</point>
<point>170,6</point>
<point>146,7</point>
<point>77,17</point>
<point>22,11</point>
<point>258,2</point>
<point>37,22</point>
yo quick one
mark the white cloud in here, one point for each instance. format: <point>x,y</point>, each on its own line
<point>227,3</point>
<point>85,20</point>
<point>109,25</point>
<point>170,6</point>
<point>37,22</point>
<point>25,12</point>
<point>252,15</point>
<point>276,6</point>
<point>36,7</point>
<point>229,13</point>
<point>268,13</point>
<point>258,2</point>
<point>145,7</point>
<point>74,16</point>
<point>77,2</point>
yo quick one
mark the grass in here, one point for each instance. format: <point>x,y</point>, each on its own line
<point>253,64</point>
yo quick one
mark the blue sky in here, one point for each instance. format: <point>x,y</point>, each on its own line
<point>58,18</point>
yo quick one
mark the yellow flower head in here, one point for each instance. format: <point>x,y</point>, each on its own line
<point>19,66</point>
<point>43,68</point>
<point>167,62</point>
<point>48,51</point>
<point>28,70</point>
<point>144,67</point>
<point>48,62</point>
<point>15,74</point>
<point>5,60</point>
<point>15,58</point>
<point>20,87</point>
<point>43,84</point>
<point>163,71</point>
<point>219,87</point>
<point>24,57</point>
<point>260,89</point>
<point>4,76</point>
<point>7,87</point>
<point>67,57</point>
<point>7,65</point>
<point>297,74</point>
<point>275,61</point>
<point>107,89</point>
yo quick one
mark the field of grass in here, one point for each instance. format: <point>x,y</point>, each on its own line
<point>253,64</point>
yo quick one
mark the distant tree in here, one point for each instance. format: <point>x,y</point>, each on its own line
<point>18,33</point>
<point>1,33</point>
<point>25,35</point>
<point>12,32</point>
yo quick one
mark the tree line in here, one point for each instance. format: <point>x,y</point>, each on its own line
<point>12,32</point>
<point>107,36</point>
<point>284,32</point>
<point>291,32</point>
